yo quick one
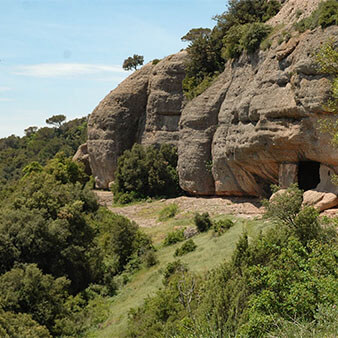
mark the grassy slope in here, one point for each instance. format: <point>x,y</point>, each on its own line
<point>210,252</point>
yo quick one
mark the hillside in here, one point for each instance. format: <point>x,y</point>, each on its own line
<point>183,243</point>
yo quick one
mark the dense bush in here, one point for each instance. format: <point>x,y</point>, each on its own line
<point>244,37</point>
<point>202,221</point>
<point>285,276</point>
<point>173,268</point>
<point>174,237</point>
<point>55,241</point>
<point>146,172</point>
<point>26,289</point>
<point>222,225</point>
<point>325,15</point>
<point>150,258</point>
<point>186,247</point>
<point>21,325</point>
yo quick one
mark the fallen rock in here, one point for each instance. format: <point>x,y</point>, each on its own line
<point>320,200</point>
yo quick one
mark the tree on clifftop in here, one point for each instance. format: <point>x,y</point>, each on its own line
<point>132,62</point>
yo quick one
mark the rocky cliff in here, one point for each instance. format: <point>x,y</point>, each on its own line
<point>260,114</point>
<point>145,108</point>
<point>256,124</point>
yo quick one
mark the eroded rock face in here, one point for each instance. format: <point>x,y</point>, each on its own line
<point>261,113</point>
<point>251,128</point>
<point>82,156</point>
<point>145,108</point>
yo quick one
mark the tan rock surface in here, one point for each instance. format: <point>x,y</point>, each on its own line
<point>324,196</point>
<point>260,113</point>
<point>145,108</point>
<point>82,156</point>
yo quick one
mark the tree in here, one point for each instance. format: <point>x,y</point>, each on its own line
<point>56,120</point>
<point>132,62</point>
<point>30,130</point>
<point>196,33</point>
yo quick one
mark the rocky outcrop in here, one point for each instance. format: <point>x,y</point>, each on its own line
<point>256,125</point>
<point>145,108</point>
<point>82,156</point>
<point>260,114</point>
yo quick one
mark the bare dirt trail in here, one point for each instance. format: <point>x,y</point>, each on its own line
<point>145,215</point>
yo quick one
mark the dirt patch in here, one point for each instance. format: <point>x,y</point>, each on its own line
<point>145,214</point>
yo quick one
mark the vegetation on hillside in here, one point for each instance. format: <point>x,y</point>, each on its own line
<point>288,275</point>
<point>239,28</point>
<point>59,250</point>
<point>38,145</point>
<point>325,15</point>
<point>242,27</point>
<point>327,59</point>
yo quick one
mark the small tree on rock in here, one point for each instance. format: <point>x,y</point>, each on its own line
<point>132,62</point>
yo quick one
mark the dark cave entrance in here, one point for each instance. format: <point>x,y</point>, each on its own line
<point>308,175</point>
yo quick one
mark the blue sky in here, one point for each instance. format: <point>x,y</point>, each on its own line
<point>64,56</point>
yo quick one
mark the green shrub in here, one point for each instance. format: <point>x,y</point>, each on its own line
<point>265,44</point>
<point>168,211</point>
<point>156,61</point>
<point>150,258</point>
<point>284,206</point>
<point>325,15</point>
<point>222,226</point>
<point>26,289</point>
<point>21,325</point>
<point>202,221</point>
<point>253,35</point>
<point>174,237</point>
<point>186,247</point>
<point>146,172</point>
<point>244,37</point>
<point>171,269</point>
<point>193,86</point>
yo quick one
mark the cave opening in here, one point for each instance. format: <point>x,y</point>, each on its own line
<point>308,175</point>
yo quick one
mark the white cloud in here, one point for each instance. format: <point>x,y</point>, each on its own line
<point>4,89</point>
<point>5,99</point>
<point>65,69</point>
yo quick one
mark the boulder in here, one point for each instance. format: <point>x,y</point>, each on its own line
<point>324,195</point>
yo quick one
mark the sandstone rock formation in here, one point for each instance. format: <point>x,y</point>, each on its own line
<point>257,124</point>
<point>82,156</point>
<point>145,108</point>
<point>260,114</point>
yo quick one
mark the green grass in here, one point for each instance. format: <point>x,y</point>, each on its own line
<point>210,252</point>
